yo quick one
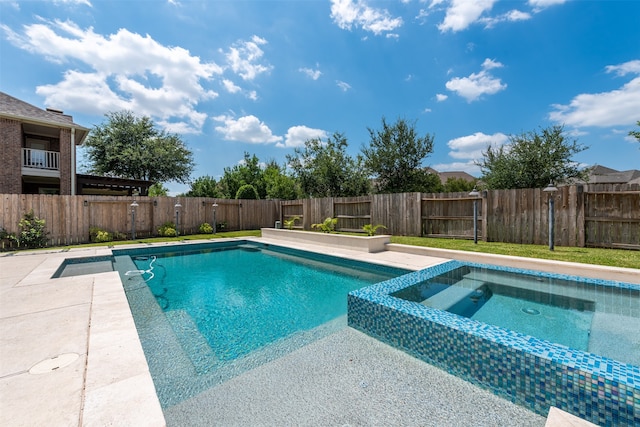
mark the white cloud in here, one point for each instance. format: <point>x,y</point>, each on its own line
<point>472,146</point>
<point>631,67</point>
<point>314,74</point>
<point>441,97</point>
<point>246,129</point>
<point>349,13</point>
<point>120,71</point>
<point>297,135</point>
<point>85,2</point>
<point>342,85</point>
<point>243,57</point>
<point>477,84</point>
<point>462,13</point>
<point>511,16</point>
<point>538,5</point>
<point>230,86</point>
<point>618,107</point>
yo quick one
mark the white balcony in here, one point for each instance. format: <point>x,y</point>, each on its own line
<point>40,162</point>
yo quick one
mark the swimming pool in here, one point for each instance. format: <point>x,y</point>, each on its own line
<point>208,312</point>
<point>423,314</point>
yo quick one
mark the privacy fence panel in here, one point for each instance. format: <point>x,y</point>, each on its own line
<point>450,215</point>
<point>290,209</point>
<point>352,213</point>
<point>400,213</point>
<point>612,217</point>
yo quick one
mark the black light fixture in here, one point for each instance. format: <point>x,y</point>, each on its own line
<point>550,190</point>
<point>474,193</point>
<point>177,207</point>
<point>215,205</point>
<point>133,205</point>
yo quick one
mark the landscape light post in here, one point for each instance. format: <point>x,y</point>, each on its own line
<point>177,207</point>
<point>133,205</point>
<point>215,205</point>
<point>551,189</point>
<point>476,194</point>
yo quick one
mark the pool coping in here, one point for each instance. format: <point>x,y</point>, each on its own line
<point>111,381</point>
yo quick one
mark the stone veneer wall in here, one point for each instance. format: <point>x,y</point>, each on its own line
<point>10,153</point>
<point>534,373</point>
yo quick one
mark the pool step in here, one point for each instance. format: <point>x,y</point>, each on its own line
<point>195,345</point>
<point>448,297</point>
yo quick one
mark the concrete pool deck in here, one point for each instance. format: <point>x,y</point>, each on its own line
<point>70,355</point>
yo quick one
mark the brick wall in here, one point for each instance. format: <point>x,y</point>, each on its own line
<point>65,162</point>
<point>10,153</point>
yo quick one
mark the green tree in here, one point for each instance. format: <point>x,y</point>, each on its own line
<point>459,185</point>
<point>204,186</point>
<point>127,146</point>
<point>635,133</point>
<point>158,189</point>
<point>248,172</point>
<point>395,158</point>
<point>279,185</point>
<point>247,191</point>
<point>324,169</point>
<point>532,160</point>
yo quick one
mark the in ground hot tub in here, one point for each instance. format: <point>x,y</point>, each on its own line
<point>537,339</point>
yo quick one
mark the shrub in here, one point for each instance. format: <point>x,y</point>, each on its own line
<point>206,228</point>
<point>32,231</point>
<point>289,223</point>
<point>247,191</point>
<point>168,229</point>
<point>119,236</point>
<point>327,226</point>
<point>99,235</point>
<point>371,229</point>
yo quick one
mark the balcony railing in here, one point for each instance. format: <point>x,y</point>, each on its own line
<point>40,159</point>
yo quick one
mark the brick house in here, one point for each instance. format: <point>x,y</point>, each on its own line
<point>38,149</point>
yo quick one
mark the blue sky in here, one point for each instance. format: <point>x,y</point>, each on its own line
<point>264,76</point>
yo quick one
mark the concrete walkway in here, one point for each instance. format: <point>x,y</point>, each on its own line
<point>69,351</point>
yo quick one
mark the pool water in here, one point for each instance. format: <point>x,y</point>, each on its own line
<point>205,316</point>
<point>558,310</point>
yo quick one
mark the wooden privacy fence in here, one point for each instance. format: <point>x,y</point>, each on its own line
<point>589,215</point>
<point>69,218</point>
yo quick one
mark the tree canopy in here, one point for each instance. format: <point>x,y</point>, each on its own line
<point>395,158</point>
<point>204,186</point>
<point>127,146</point>
<point>532,160</point>
<point>324,169</point>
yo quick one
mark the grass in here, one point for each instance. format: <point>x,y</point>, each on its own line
<point>598,256</point>
<point>226,234</point>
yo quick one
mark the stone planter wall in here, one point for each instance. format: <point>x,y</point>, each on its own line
<point>356,243</point>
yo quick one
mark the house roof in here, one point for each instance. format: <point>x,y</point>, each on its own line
<point>14,108</point>
<point>615,177</point>
<point>444,176</point>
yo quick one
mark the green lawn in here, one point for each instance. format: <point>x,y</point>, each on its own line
<point>227,234</point>
<point>599,256</point>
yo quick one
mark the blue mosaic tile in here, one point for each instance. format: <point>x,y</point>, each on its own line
<point>529,371</point>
